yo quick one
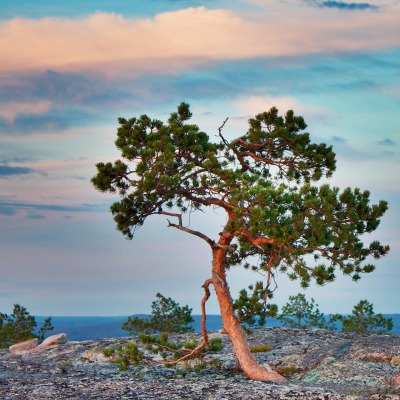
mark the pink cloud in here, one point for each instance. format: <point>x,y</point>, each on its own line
<point>175,40</point>
<point>255,104</point>
<point>12,110</point>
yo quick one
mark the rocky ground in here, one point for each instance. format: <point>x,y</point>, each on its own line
<point>318,364</point>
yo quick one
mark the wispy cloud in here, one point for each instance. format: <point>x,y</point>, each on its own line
<point>393,91</point>
<point>338,139</point>
<point>7,210</point>
<point>35,216</point>
<point>47,101</point>
<point>6,171</point>
<point>387,142</point>
<point>350,6</point>
<point>11,110</point>
<point>33,210</point>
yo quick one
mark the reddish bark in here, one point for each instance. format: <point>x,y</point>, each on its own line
<point>231,324</point>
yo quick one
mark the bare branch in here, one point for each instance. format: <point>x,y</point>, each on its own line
<point>192,232</point>
<point>220,131</point>
<point>179,216</point>
<point>203,326</point>
<point>266,292</point>
<point>208,201</point>
<point>239,156</point>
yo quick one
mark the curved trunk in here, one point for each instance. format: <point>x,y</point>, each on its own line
<point>232,325</point>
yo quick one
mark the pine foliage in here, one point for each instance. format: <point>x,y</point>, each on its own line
<point>301,313</point>
<point>364,320</point>
<point>252,308</point>
<point>279,220</point>
<point>20,326</point>
<point>166,316</point>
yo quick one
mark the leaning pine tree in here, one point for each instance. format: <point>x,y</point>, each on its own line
<point>276,220</point>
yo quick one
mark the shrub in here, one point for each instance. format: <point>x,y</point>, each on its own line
<point>172,351</point>
<point>262,348</point>
<point>108,351</point>
<point>127,355</point>
<point>287,370</point>
<point>124,356</point>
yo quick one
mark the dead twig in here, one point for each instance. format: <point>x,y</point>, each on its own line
<point>203,344</point>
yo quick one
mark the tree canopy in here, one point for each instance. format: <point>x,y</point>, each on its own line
<point>263,182</point>
<point>278,220</point>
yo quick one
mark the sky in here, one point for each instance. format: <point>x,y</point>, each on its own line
<point>68,71</point>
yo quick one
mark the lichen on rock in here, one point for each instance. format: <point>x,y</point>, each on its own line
<point>318,365</point>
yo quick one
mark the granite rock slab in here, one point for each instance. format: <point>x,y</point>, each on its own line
<point>318,365</point>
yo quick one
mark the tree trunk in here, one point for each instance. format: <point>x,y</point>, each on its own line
<point>232,325</point>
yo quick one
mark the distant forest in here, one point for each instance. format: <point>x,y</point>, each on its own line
<point>90,328</point>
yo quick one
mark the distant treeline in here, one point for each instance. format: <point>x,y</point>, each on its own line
<point>91,328</point>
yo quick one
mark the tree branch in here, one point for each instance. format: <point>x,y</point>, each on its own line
<point>179,216</point>
<point>266,292</point>
<point>207,201</point>
<point>258,242</point>
<point>220,131</point>
<point>185,229</point>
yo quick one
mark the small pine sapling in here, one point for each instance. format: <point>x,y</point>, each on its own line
<point>301,313</point>
<point>364,320</point>
<point>20,326</point>
<point>167,316</point>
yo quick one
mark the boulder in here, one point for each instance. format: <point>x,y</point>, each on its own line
<point>61,338</point>
<point>95,355</point>
<point>23,347</point>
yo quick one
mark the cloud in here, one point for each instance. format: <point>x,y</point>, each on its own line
<point>393,90</point>
<point>76,99</point>
<point>251,105</point>
<point>11,110</point>
<point>39,87</point>
<point>10,208</point>
<point>78,70</point>
<point>338,139</point>
<point>173,41</point>
<point>36,216</point>
<point>342,5</point>
<point>387,142</point>
<point>348,6</point>
<point>51,122</point>
<point>7,209</point>
<point>6,171</point>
